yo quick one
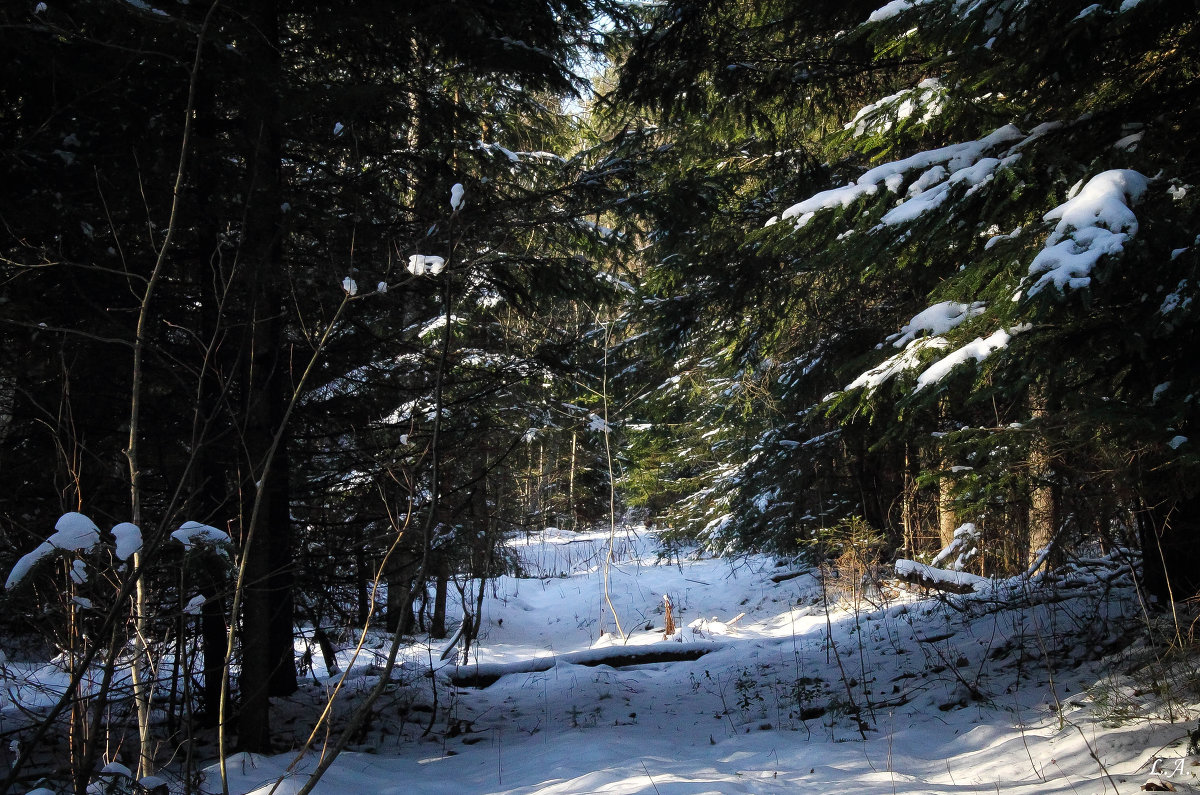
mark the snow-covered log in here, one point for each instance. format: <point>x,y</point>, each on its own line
<point>916,573</point>
<point>484,674</point>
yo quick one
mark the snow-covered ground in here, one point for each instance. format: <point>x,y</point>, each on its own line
<point>1014,689</point>
<point>774,682</point>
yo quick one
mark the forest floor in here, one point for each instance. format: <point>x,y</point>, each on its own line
<point>776,681</point>
<point>1020,688</point>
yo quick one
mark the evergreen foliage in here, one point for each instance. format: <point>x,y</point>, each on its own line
<point>900,323</point>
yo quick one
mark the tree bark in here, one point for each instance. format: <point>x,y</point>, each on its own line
<point>268,666</point>
<point>1170,552</point>
<point>437,625</point>
<point>947,518</point>
<point>1043,493</point>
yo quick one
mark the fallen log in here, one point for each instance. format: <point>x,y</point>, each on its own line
<point>960,582</point>
<point>482,675</point>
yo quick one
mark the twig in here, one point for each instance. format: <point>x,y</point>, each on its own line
<point>650,777</point>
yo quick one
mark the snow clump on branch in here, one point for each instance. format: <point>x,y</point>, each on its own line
<point>75,533</point>
<point>192,533</point>
<point>425,265</point>
<point>1094,222</point>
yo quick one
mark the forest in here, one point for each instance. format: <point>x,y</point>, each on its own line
<point>311,310</point>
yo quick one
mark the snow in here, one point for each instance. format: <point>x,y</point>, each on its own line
<point>928,198</point>
<point>878,116</point>
<point>117,768</point>
<point>192,533</point>
<point>438,323</point>
<point>976,350</point>
<point>79,572</point>
<point>350,286</point>
<point>899,363</point>
<point>972,176</point>
<point>937,319</point>
<point>953,692</point>
<point>192,608</point>
<point>964,161</point>
<point>425,265</point>
<point>1175,299</point>
<point>74,532</point>
<point>995,239</point>
<point>962,547</point>
<point>892,9</point>
<point>1176,442</point>
<point>912,568</point>
<point>27,562</point>
<point>1130,142</point>
<point>141,5</point>
<point>597,423</point>
<point>456,197</point>
<point>1095,222</point>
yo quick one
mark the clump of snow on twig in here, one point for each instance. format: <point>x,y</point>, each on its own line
<point>129,540</point>
<point>74,533</point>
<point>192,533</point>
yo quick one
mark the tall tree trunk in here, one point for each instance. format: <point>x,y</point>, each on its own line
<point>1170,553</point>
<point>437,625</point>
<point>1043,497</point>
<point>908,506</point>
<point>402,590</point>
<point>212,437</point>
<point>268,666</point>
<point>947,518</point>
<point>571,512</point>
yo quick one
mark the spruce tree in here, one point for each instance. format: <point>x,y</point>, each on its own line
<point>945,331</point>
